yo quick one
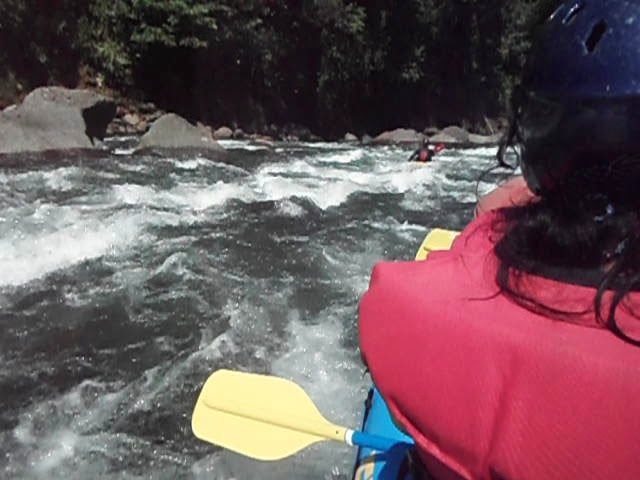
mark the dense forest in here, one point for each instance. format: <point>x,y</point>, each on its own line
<point>330,65</point>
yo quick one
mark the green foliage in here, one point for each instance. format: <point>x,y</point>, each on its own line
<point>38,40</point>
<point>332,65</point>
<point>117,33</point>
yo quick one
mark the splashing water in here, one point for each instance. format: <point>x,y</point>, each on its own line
<point>126,281</point>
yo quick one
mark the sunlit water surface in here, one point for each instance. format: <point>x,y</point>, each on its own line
<point>126,281</point>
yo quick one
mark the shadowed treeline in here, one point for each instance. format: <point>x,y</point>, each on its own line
<point>330,65</point>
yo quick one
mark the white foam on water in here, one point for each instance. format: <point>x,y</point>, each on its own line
<point>124,151</point>
<point>54,237</point>
<point>196,197</point>
<point>326,145</point>
<point>58,179</point>
<point>312,173</point>
<point>30,253</point>
<point>54,450</point>
<point>191,164</point>
<point>242,145</point>
<point>132,167</point>
<point>323,194</point>
<point>59,436</point>
<point>121,137</point>
<point>201,162</point>
<point>296,167</point>
<point>315,359</point>
<point>346,156</point>
<point>55,434</point>
<point>477,151</point>
<point>332,378</point>
<point>63,178</point>
<point>290,209</point>
<point>202,198</point>
<point>328,186</point>
<point>133,194</point>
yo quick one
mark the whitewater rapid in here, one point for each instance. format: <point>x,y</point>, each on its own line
<point>125,281</point>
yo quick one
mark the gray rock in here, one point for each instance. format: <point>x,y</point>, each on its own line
<point>460,134</point>
<point>56,118</point>
<point>442,137</point>
<point>263,141</point>
<point>485,139</point>
<point>223,133</point>
<point>399,135</point>
<point>350,137</point>
<point>171,131</point>
<point>470,140</point>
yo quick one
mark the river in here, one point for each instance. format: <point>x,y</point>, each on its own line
<point>125,281</point>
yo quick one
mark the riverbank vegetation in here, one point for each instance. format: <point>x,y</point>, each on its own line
<point>329,65</point>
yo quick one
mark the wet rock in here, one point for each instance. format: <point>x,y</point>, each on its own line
<point>56,118</point>
<point>171,131</point>
<point>263,141</point>
<point>132,119</point>
<point>464,140</point>
<point>223,133</point>
<point>442,137</point>
<point>485,139</point>
<point>399,135</point>
<point>459,134</point>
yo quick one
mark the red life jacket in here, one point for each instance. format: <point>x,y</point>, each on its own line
<point>512,192</point>
<point>424,155</point>
<point>490,390</point>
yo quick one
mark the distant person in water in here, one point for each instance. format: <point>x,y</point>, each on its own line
<point>426,152</point>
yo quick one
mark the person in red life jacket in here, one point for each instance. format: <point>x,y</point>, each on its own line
<point>513,192</point>
<point>516,354</point>
<point>426,152</point>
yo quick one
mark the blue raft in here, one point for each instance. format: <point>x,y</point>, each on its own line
<point>391,464</point>
<point>382,465</point>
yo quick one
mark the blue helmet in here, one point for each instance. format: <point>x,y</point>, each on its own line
<point>579,101</point>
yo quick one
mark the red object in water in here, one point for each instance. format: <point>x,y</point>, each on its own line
<point>439,147</point>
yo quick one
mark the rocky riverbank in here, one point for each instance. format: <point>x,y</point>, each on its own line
<point>59,119</point>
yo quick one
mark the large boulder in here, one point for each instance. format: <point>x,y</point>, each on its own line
<point>350,137</point>
<point>399,135</point>
<point>173,132</point>
<point>472,140</point>
<point>459,134</point>
<point>55,118</point>
<point>223,133</point>
<point>458,137</point>
<point>448,140</point>
<point>485,140</point>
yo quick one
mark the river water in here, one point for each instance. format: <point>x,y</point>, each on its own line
<point>125,281</point>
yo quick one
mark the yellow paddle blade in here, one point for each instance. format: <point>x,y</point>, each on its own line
<point>436,239</point>
<point>260,416</point>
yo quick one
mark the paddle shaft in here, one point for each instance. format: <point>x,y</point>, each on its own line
<point>275,417</point>
<point>326,430</point>
<point>268,418</point>
<point>375,442</point>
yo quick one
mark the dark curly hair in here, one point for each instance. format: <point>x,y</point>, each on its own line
<point>585,232</point>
